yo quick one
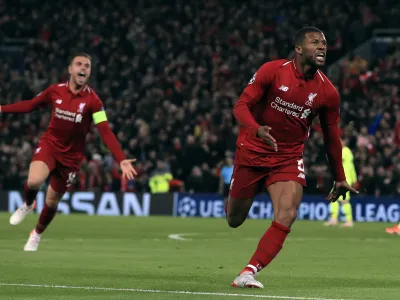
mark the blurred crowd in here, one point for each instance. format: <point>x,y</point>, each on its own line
<point>169,75</point>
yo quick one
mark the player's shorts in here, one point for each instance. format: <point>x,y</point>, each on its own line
<point>61,176</point>
<point>248,181</point>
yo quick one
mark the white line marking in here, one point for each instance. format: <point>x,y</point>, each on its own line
<point>180,236</point>
<point>158,291</point>
<point>213,236</point>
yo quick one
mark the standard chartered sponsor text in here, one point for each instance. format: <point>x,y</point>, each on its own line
<point>288,108</point>
<point>64,114</point>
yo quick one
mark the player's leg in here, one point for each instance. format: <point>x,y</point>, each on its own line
<point>245,184</point>
<point>42,164</point>
<point>286,197</point>
<point>46,216</point>
<point>347,211</point>
<point>334,208</point>
<point>285,186</point>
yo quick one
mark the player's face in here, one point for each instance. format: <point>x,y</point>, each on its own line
<point>314,49</point>
<point>79,70</point>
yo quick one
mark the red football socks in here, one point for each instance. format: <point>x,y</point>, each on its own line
<point>29,195</point>
<point>45,218</point>
<point>269,246</point>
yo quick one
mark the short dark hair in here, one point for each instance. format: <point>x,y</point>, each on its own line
<point>76,54</point>
<point>301,34</point>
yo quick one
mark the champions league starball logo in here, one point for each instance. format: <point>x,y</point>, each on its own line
<point>187,207</point>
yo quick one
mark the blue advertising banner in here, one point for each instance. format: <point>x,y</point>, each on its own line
<point>365,208</point>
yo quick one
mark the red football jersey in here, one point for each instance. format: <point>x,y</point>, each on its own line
<point>70,121</point>
<point>281,97</point>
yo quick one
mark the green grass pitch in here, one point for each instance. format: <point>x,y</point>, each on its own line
<point>91,257</point>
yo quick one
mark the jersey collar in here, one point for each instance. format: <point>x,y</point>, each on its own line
<point>81,93</point>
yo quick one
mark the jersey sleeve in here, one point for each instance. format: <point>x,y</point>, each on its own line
<point>40,100</point>
<point>259,83</point>
<point>330,110</point>
<point>253,92</point>
<point>329,117</point>
<point>98,113</point>
<point>100,120</point>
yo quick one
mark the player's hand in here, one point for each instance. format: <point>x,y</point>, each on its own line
<point>127,170</point>
<point>340,189</point>
<point>263,133</point>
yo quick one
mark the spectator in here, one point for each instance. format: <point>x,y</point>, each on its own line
<point>160,178</point>
<point>195,182</point>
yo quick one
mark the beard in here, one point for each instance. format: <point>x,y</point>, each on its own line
<point>312,63</point>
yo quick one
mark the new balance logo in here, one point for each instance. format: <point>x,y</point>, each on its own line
<point>284,88</point>
<point>58,101</point>
<point>302,176</point>
<point>311,99</point>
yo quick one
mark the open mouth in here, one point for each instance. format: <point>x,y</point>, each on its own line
<point>321,57</point>
<point>82,75</point>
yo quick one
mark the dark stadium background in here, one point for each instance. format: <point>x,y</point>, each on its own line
<point>169,73</point>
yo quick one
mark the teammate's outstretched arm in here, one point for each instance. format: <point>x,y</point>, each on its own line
<point>329,118</point>
<point>28,105</point>
<point>100,119</point>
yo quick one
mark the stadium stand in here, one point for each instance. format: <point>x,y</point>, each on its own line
<point>170,74</point>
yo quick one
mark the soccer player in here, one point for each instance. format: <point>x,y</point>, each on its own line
<point>59,154</point>
<point>351,176</point>
<point>275,112</point>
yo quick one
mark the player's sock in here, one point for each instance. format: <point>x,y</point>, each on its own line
<point>29,195</point>
<point>269,246</point>
<point>334,207</point>
<point>348,213</point>
<point>46,216</point>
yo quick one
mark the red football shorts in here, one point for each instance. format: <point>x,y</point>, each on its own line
<point>248,181</point>
<point>61,176</point>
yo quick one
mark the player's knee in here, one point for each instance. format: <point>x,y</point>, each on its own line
<point>34,183</point>
<point>53,197</point>
<point>52,203</point>
<point>286,217</point>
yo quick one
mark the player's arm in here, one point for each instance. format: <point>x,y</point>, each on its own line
<point>329,118</point>
<point>26,106</point>
<point>253,93</point>
<point>100,120</point>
